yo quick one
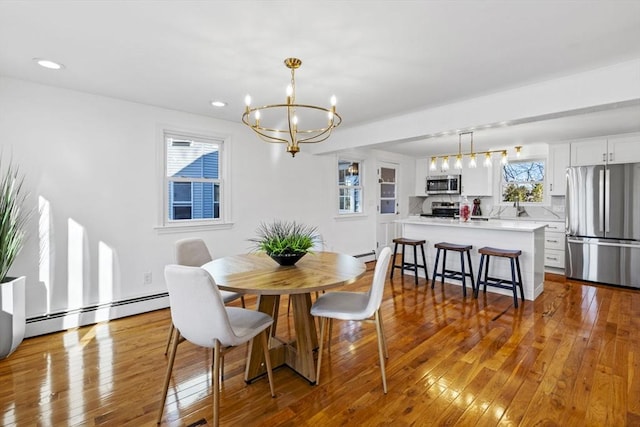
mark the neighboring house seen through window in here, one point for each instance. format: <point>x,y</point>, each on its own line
<point>193,179</point>
<point>349,187</point>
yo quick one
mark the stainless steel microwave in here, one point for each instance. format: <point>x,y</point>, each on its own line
<point>444,184</point>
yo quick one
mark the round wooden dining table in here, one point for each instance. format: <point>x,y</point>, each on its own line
<point>257,273</point>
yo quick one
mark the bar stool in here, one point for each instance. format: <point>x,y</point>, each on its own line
<point>514,258</point>
<point>453,274</point>
<point>411,266</point>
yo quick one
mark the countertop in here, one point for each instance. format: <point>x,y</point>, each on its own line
<point>493,224</point>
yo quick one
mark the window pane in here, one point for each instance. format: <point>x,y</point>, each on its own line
<point>348,173</point>
<point>387,206</point>
<point>523,181</point>
<point>350,200</point>
<point>523,171</point>
<point>181,212</point>
<point>192,159</point>
<point>181,192</point>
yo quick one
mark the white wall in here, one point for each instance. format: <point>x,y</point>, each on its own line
<point>90,163</point>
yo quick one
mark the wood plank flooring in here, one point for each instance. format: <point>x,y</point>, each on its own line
<point>571,358</point>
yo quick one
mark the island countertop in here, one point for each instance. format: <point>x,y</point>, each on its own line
<point>492,224</point>
<point>527,236</point>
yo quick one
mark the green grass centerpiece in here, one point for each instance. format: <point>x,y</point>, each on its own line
<point>285,241</point>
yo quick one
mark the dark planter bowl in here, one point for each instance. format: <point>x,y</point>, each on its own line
<point>287,259</point>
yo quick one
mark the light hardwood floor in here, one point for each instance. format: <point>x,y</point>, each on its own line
<point>571,358</point>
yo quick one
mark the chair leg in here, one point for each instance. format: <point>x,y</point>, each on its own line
<point>444,265</point>
<point>415,263</point>
<point>242,301</point>
<point>435,269</point>
<point>216,383</point>
<point>520,278</point>
<point>171,328</point>
<point>167,377</point>
<point>323,325</point>
<point>464,276</point>
<point>330,335</point>
<point>514,283</point>
<point>393,260</point>
<point>381,350</point>
<point>424,263</point>
<point>267,361</point>
<point>473,284</point>
<point>476,291</point>
<point>384,338</point>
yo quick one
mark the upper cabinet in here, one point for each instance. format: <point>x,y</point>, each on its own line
<point>422,171</point>
<point>559,156</point>
<point>606,150</point>
<point>477,181</point>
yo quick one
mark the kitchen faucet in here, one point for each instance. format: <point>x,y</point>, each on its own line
<point>519,209</point>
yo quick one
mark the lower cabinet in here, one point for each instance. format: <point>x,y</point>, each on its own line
<point>554,244</point>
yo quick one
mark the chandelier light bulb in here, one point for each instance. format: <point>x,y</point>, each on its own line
<point>458,164</point>
<point>472,160</point>
<point>333,100</point>
<point>504,157</point>
<point>257,115</point>
<point>487,159</point>
<point>295,120</point>
<point>445,163</point>
<point>518,148</point>
<point>289,90</point>
<point>433,165</point>
<point>247,100</point>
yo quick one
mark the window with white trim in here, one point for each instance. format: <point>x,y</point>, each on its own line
<point>523,181</point>
<point>350,189</point>
<point>193,182</point>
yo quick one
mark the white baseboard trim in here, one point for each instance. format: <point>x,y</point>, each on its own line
<point>61,321</point>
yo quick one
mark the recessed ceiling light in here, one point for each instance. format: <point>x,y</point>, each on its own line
<point>218,104</point>
<point>46,63</point>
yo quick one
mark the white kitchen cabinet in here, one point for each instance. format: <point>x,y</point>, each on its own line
<point>624,148</point>
<point>559,158</point>
<point>477,181</point>
<point>554,245</point>
<point>422,171</point>
<point>606,150</point>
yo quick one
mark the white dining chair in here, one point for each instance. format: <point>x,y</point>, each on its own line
<point>356,306</point>
<point>193,252</point>
<point>200,316</point>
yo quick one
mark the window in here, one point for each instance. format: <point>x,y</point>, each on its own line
<point>193,181</point>
<point>523,181</point>
<point>349,187</point>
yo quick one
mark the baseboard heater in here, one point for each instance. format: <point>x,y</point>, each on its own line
<point>68,319</point>
<point>370,256</point>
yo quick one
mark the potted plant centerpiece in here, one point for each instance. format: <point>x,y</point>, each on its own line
<point>285,241</point>
<point>12,289</point>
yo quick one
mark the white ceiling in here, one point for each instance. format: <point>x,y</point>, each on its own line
<point>380,58</point>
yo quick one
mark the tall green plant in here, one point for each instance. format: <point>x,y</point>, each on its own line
<point>12,217</point>
<point>283,237</point>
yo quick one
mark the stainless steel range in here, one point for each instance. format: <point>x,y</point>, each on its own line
<point>444,210</point>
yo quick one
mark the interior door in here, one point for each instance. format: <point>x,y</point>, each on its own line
<point>387,207</point>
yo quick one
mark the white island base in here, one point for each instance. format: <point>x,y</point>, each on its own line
<point>525,236</point>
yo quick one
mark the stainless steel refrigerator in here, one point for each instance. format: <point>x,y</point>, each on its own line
<point>603,224</point>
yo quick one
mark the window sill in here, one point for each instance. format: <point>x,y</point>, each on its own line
<point>200,226</point>
<point>350,217</point>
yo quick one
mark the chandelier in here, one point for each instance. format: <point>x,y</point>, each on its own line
<point>472,156</point>
<point>291,123</point>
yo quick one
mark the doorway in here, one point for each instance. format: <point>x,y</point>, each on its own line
<point>387,209</point>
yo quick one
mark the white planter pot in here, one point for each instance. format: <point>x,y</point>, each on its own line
<point>12,315</point>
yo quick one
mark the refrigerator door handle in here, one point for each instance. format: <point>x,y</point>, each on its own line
<point>601,243</point>
<point>600,201</point>
<point>607,199</point>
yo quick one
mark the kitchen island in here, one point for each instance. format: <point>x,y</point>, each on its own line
<point>523,235</point>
